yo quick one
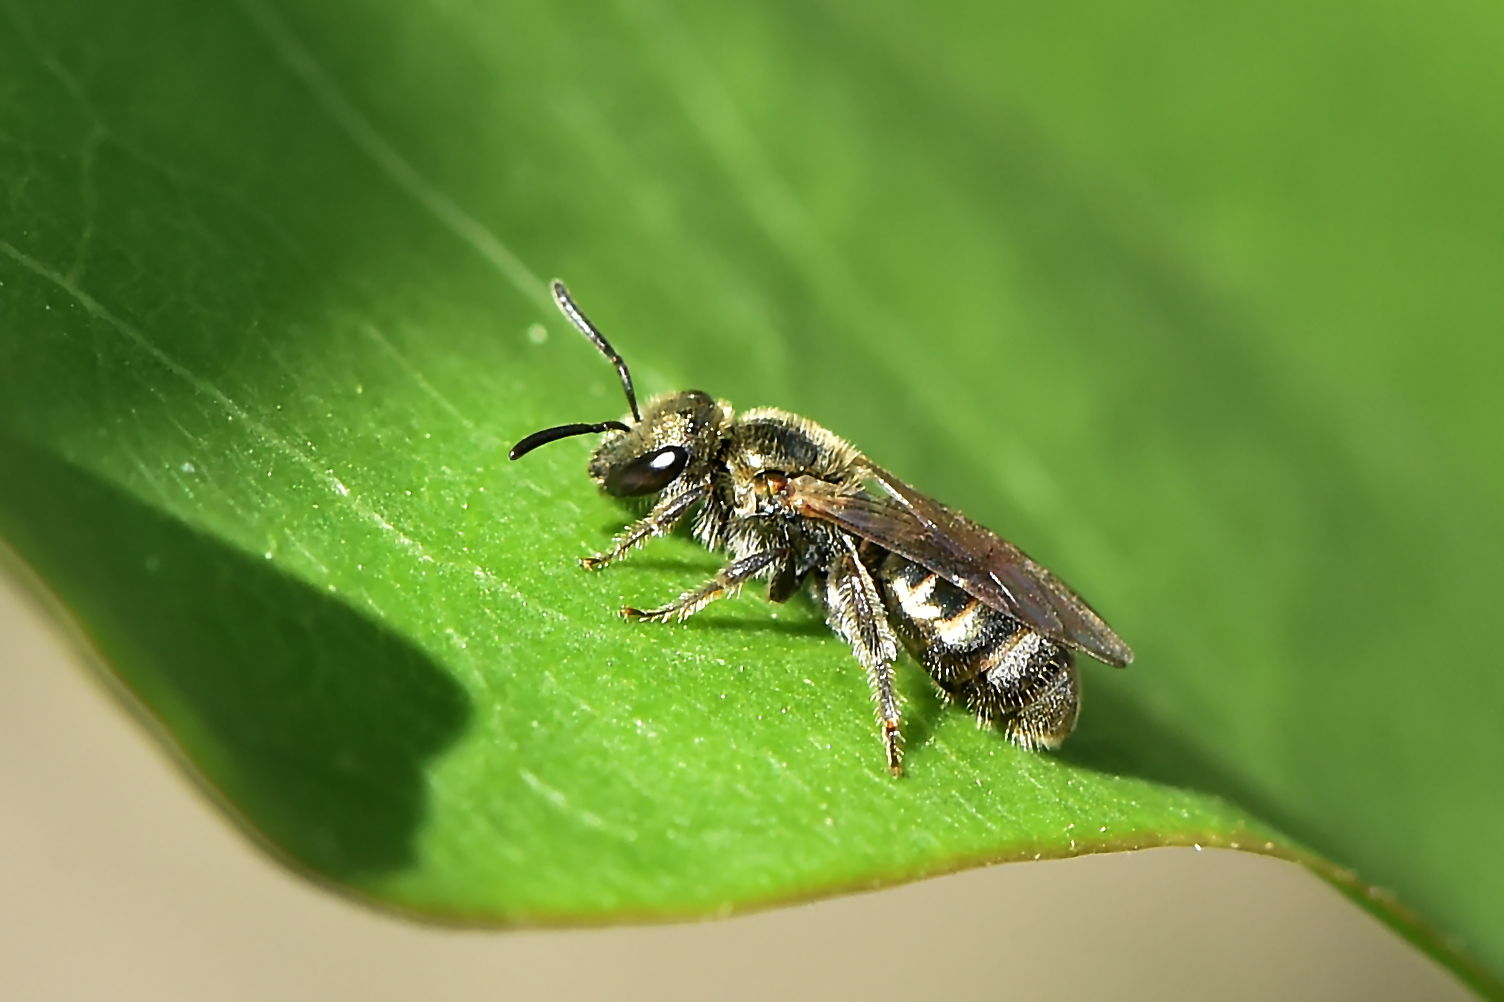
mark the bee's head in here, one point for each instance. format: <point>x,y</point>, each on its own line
<point>678,434</point>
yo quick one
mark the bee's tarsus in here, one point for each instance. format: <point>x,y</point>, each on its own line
<point>893,742</point>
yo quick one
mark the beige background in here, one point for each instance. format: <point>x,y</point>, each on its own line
<point>119,881</point>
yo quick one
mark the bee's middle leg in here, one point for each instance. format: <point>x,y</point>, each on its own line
<point>727,580</point>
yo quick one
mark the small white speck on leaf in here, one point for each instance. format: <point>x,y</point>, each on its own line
<point>537,333</point>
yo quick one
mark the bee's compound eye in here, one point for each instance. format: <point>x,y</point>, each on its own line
<point>648,474</point>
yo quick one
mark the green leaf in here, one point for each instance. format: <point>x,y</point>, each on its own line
<point>1199,306</point>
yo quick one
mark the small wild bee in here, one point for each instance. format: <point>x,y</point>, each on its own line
<point>790,502</point>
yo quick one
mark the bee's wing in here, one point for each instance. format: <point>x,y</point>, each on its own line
<point>898,518</point>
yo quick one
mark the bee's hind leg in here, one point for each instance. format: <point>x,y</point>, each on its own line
<point>727,580</point>
<point>660,521</point>
<point>855,611</point>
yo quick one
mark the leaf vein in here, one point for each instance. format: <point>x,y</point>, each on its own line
<point>391,163</point>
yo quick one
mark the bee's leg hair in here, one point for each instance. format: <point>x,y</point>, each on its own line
<point>855,610</point>
<point>727,580</point>
<point>666,514</point>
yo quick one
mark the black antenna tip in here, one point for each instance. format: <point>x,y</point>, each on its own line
<point>548,435</point>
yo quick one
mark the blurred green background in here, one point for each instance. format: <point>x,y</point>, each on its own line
<point>1197,305</point>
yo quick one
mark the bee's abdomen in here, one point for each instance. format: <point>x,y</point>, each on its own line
<point>998,667</point>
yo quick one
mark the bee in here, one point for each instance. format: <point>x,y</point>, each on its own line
<point>790,503</point>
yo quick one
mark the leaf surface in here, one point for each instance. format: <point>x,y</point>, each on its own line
<point>1162,297</point>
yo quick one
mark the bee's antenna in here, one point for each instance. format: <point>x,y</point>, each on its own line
<point>569,309</point>
<point>548,435</point>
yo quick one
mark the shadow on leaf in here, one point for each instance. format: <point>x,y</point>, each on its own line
<point>315,721</point>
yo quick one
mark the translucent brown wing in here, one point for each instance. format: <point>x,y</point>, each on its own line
<point>896,517</point>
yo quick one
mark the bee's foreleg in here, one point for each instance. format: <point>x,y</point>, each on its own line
<point>728,580</point>
<point>856,612</point>
<point>666,514</point>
